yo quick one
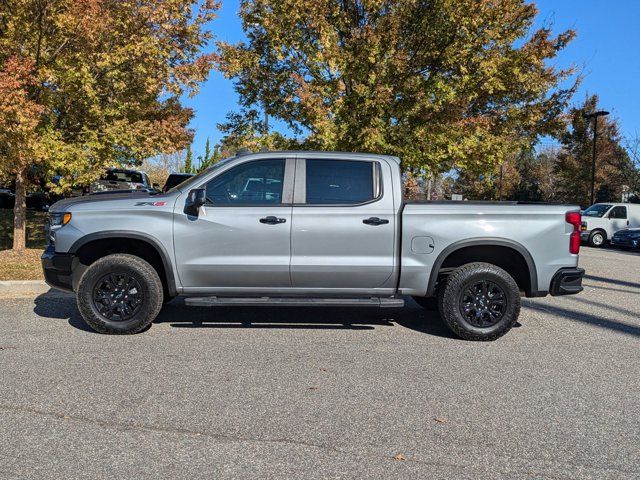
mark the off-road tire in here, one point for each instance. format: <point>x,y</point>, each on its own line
<point>144,274</point>
<point>593,239</point>
<point>449,298</point>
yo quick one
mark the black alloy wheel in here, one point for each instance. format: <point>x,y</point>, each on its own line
<point>483,304</point>
<point>118,296</point>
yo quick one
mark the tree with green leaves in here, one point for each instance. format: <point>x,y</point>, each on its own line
<point>188,161</point>
<point>208,158</point>
<point>442,84</point>
<point>85,84</point>
<point>614,167</point>
<point>207,154</point>
<point>245,129</point>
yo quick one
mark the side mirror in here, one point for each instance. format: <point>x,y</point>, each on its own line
<point>195,199</point>
<point>156,186</point>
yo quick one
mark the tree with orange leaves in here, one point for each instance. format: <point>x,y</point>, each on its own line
<point>85,84</point>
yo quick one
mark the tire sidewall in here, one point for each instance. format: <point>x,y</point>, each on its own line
<point>593,236</point>
<point>142,272</point>
<point>465,277</point>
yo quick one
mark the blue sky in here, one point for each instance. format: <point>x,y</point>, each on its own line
<point>606,50</point>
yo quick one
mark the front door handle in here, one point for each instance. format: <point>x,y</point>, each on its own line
<point>271,220</point>
<point>375,221</point>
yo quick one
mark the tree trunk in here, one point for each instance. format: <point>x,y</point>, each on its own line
<point>20,214</point>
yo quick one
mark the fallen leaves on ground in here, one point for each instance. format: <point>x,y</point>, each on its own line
<point>21,265</point>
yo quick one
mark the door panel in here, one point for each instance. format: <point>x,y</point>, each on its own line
<point>230,247</point>
<point>618,219</point>
<point>331,246</point>
<point>241,238</point>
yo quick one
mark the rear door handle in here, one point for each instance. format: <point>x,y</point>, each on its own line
<point>271,220</point>
<point>375,221</point>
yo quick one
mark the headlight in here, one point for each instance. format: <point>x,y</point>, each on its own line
<point>59,219</point>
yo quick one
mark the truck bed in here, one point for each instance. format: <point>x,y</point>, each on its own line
<point>431,230</point>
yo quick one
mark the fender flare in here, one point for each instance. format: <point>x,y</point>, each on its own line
<point>154,242</point>
<point>498,242</point>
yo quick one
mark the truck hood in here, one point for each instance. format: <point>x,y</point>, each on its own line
<point>90,202</point>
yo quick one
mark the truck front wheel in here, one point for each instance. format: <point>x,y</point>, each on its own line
<point>479,301</point>
<point>119,294</point>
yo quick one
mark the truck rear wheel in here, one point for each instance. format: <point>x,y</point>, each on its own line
<point>479,301</point>
<point>119,294</point>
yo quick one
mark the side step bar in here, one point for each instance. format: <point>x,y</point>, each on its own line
<point>385,302</point>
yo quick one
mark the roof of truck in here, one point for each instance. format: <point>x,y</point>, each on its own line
<point>316,153</point>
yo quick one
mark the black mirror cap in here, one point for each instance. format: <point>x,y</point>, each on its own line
<point>195,199</point>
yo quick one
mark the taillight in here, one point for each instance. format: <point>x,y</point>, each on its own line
<point>574,219</point>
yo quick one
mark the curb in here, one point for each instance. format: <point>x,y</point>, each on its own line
<point>19,287</point>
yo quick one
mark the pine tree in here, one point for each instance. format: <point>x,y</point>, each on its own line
<point>188,162</point>
<point>207,153</point>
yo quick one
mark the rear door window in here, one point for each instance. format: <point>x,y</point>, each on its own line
<point>339,182</point>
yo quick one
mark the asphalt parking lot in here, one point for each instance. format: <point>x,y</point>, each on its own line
<point>327,393</point>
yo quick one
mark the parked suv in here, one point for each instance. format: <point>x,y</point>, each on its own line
<point>602,220</point>
<point>308,228</point>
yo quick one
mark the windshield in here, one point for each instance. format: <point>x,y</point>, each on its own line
<point>186,185</point>
<point>597,210</point>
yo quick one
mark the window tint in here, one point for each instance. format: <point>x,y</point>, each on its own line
<point>339,181</point>
<point>123,176</point>
<point>253,183</point>
<point>618,212</point>
<point>597,210</point>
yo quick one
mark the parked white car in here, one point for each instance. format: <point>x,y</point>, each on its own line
<point>602,220</point>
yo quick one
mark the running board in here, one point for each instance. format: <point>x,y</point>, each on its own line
<point>294,302</point>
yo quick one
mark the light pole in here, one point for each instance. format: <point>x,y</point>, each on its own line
<point>594,115</point>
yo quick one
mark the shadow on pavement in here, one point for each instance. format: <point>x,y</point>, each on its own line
<point>599,287</point>
<point>608,306</point>
<point>55,305</point>
<point>613,281</point>
<point>310,318</point>
<point>590,319</point>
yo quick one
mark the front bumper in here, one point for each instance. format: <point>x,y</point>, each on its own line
<point>567,281</point>
<point>58,268</point>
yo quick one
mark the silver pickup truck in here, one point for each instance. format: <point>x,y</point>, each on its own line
<point>308,228</point>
